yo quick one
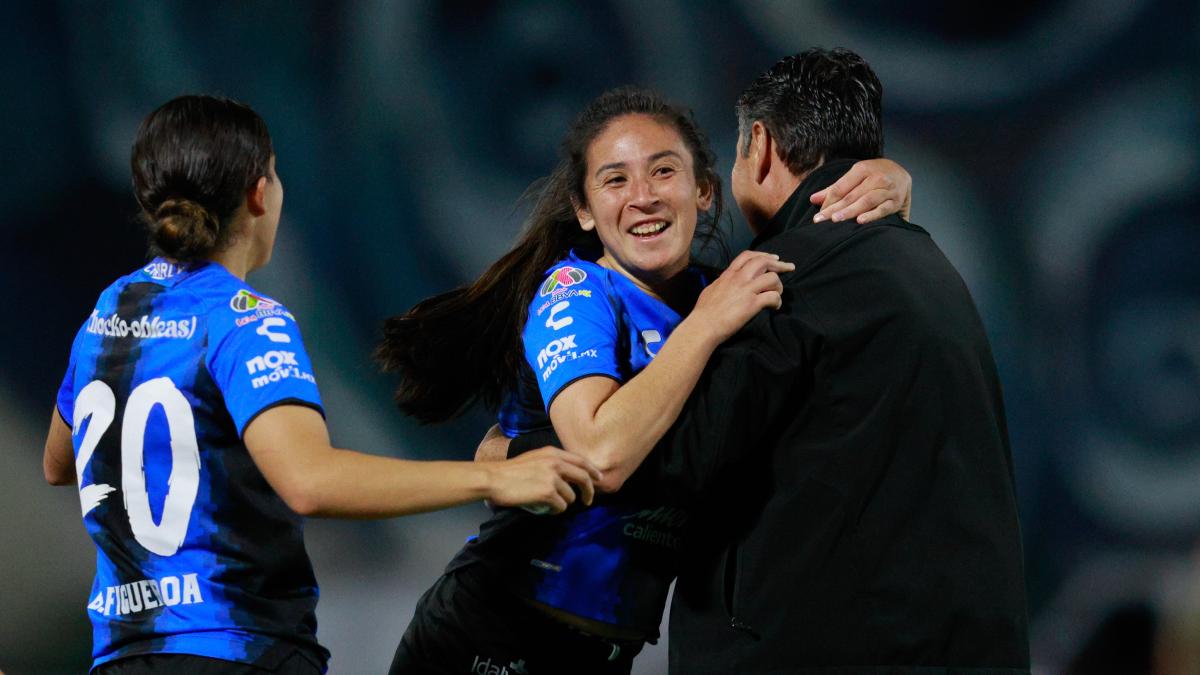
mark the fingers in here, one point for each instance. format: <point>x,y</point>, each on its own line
<point>580,476</point>
<point>583,463</point>
<point>744,258</point>
<point>836,192</point>
<point>565,492</point>
<point>886,208</point>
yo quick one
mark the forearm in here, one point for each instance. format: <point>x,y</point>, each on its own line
<point>348,484</point>
<point>627,425</point>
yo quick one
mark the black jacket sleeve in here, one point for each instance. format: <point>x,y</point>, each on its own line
<point>746,386</point>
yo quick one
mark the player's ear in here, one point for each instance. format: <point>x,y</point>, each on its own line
<point>256,197</point>
<point>584,215</point>
<point>704,195</point>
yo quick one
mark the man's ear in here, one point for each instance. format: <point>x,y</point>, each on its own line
<point>584,216</point>
<point>762,152</point>
<point>256,197</point>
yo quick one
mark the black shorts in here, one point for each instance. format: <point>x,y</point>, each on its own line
<point>190,664</point>
<point>468,624</point>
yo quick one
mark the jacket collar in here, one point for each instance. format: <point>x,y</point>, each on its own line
<point>797,210</point>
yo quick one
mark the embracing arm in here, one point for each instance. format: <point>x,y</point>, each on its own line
<point>58,463</point>
<point>290,445</point>
<point>615,426</point>
<point>870,190</point>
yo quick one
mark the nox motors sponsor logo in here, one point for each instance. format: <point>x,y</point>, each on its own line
<point>276,366</point>
<point>561,278</point>
<point>139,596</point>
<point>144,328</point>
<point>554,349</point>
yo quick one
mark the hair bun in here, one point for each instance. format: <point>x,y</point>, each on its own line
<point>184,230</point>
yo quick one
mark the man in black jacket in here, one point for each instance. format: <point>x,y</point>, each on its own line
<point>846,456</point>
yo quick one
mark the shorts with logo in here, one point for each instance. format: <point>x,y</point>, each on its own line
<point>469,623</point>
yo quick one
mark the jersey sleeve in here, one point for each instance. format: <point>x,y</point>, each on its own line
<point>571,332</point>
<point>65,401</point>
<point>260,364</point>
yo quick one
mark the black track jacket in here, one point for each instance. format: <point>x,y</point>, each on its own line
<point>847,462</point>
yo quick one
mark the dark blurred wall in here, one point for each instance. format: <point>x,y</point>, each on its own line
<point>1054,148</point>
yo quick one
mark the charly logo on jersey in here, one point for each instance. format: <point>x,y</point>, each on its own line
<point>146,327</point>
<point>160,270</point>
<point>482,666</point>
<point>276,365</point>
<point>556,323</point>
<point>147,594</point>
<point>562,278</point>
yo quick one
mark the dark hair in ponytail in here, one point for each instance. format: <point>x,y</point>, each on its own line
<point>193,161</point>
<point>464,345</point>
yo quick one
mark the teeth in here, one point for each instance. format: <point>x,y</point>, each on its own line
<point>649,228</point>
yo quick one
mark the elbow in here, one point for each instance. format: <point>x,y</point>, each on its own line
<point>611,481</point>
<point>613,472</point>
<point>55,477</point>
<point>57,474</point>
<point>300,496</point>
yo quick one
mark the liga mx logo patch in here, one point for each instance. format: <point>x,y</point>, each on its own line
<point>246,301</point>
<point>562,278</point>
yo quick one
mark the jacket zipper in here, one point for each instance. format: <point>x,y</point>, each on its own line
<point>730,588</point>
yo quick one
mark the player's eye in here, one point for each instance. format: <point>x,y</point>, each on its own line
<point>614,180</point>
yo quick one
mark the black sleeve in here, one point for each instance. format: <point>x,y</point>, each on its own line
<point>532,441</point>
<point>747,385</point>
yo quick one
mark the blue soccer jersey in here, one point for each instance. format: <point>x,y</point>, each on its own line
<point>196,553</point>
<point>612,562</point>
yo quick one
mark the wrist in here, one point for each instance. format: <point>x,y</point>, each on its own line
<point>698,330</point>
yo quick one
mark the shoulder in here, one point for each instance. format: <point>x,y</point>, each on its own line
<point>229,303</point>
<point>581,285</point>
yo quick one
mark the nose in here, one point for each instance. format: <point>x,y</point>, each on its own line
<point>643,193</point>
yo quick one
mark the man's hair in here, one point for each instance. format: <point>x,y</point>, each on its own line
<point>818,105</point>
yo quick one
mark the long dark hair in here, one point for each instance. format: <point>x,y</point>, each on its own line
<point>464,345</point>
<point>193,160</point>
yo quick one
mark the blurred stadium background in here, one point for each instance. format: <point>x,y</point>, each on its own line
<point>1054,148</point>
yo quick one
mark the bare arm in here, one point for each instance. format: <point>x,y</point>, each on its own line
<point>870,190</point>
<point>616,426</point>
<point>494,446</point>
<point>58,463</point>
<point>290,445</point>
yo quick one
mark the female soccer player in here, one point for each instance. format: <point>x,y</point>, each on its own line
<point>581,309</point>
<point>190,418</point>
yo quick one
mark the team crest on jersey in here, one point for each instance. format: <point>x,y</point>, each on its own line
<point>562,278</point>
<point>245,301</point>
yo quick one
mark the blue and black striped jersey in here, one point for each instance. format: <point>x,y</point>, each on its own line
<point>614,561</point>
<point>197,554</point>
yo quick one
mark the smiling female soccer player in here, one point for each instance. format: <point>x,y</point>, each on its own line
<point>190,419</point>
<point>581,325</point>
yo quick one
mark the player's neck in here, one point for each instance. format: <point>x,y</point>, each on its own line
<point>237,259</point>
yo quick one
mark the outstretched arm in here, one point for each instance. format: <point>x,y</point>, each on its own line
<point>494,446</point>
<point>870,190</point>
<point>615,426</point>
<point>58,463</point>
<point>290,445</point>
